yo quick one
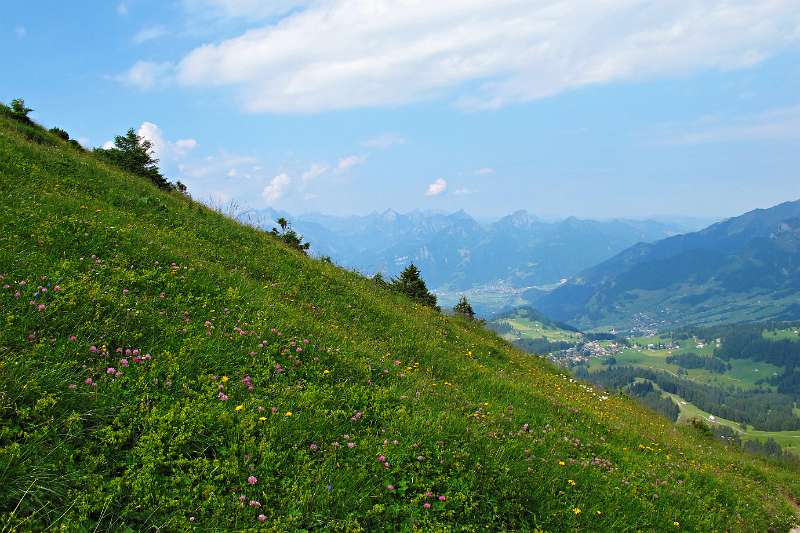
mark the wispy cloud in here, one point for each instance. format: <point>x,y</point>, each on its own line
<point>484,171</point>
<point>146,75</point>
<point>346,163</point>
<point>312,58</point>
<point>149,33</point>
<point>774,124</point>
<point>436,188</point>
<point>383,141</point>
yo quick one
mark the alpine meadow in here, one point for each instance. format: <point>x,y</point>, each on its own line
<point>367,265</point>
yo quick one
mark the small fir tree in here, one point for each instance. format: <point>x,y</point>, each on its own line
<point>412,285</point>
<point>290,236</point>
<point>134,153</point>
<point>464,309</point>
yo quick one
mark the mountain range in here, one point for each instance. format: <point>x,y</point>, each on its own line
<point>741,269</point>
<point>456,252</point>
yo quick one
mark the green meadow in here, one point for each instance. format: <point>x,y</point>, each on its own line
<point>165,368</point>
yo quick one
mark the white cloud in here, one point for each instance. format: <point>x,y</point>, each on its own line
<point>146,74</point>
<point>162,148</point>
<point>350,161</point>
<point>20,32</point>
<point>386,140</point>
<point>122,9</point>
<point>484,171</point>
<point>108,145</point>
<point>490,53</point>
<point>436,188</point>
<point>774,124</point>
<point>149,33</point>
<point>276,188</point>
<point>314,171</point>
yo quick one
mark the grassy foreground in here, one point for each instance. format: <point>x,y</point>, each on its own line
<point>182,371</point>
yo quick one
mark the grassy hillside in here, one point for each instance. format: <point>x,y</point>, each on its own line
<point>182,371</point>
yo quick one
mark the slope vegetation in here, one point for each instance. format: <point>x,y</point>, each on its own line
<point>182,371</point>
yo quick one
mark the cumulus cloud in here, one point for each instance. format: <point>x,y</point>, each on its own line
<point>774,124</point>
<point>163,148</point>
<point>314,57</point>
<point>436,188</point>
<point>149,33</point>
<point>350,161</point>
<point>276,188</point>
<point>146,74</point>
<point>386,140</point>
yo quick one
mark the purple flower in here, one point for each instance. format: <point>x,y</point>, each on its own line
<point>389,487</point>
<point>111,370</point>
<point>93,349</point>
<point>442,498</point>
<point>124,291</point>
<point>351,445</point>
<point>222,396</point>
<point>262,518</point>
<point>123,362</point>
<point>313,447</point>
<point>252,480</point>
<point>255,504</point>
<point>88,381</point>
<point>426,505</point>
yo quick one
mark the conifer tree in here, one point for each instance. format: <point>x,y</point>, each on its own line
<point>464,309</point>
<point>412,285</point>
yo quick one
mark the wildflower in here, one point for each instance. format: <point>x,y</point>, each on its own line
<point>381,458</point>
<point>274,410</point>
<point>118,374</point>
<point>162,295</point>
<point>313,447</point>
<point>389,487</point>
<point>111,370</point>
<point>676,524</point>
<point>426,505</point>
<point>351,445</point>
<point>124,291</point>
<point>562,463</point>
<point>255,504</point>
<point>72,386</point>
<point>242,498</point>
<point>288,413</point>
<point>306,341</point>
<point>224,379</point>
<point>262,518</point>
<point>442,498</point>
<point>93,349</point>
<point>40,307</point>
<point>577,511</point>
<point>252,480</point>
<point>262,418</point>
<point>329,487</point>
<point>123,362</point>
<point>222,396</point>
<point>571,482</point>
<point>429,494</point>
<point>88,381</point>
<point>17,294</point>
<point>278,368</point>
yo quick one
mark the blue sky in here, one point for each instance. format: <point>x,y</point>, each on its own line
<point>626,108</point>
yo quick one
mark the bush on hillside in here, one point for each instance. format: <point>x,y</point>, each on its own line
<point>134,154</point>
<point>289,236</point>
<point>20,111</point>
<point>58,132</point>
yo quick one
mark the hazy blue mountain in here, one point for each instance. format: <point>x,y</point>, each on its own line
<point>455,252</point>
<point>743,268</point>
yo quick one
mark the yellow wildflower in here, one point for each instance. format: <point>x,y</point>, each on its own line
<point>262,418</point>
<point>225,379</point>
<point>288,413</point>
<point>239,407</point>
<point>562,463</point>
<point>571,482</point>
<point>577,511</point>
<point>676,524</point>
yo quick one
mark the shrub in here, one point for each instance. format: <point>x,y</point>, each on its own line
<point>464,309</point>
<point>290,236</point>
<point>58,132</point>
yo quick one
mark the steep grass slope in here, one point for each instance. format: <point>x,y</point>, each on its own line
<point>183,372</point>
